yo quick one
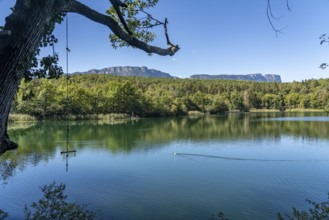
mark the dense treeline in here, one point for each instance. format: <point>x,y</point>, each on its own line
<point>104,94</point>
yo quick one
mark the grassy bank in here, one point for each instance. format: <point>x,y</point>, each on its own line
<point>21,117</point>
<point>304,110</point>
<point>116,117</point>
<point>263,110</point>
<point>287,110</point>
<point>105,117</point>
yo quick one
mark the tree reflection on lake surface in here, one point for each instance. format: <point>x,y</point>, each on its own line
<point>128,170</point>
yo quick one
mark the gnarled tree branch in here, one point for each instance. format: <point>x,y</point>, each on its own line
<point>270,16</point>
<point>116,5</point>
<point>171,46</point>
<point>77,7</point>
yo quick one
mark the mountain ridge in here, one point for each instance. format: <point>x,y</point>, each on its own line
<point>258,77</point>
<point>146,72</point>
<point>128,71</point>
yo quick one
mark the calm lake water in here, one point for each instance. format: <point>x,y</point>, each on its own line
<point>248,166</point>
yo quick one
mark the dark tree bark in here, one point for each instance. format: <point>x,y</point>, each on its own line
<point>27,24</point>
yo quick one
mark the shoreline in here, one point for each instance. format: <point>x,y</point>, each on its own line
<point>98,117</point>
<point>115,116</point>
<point>287,110</point>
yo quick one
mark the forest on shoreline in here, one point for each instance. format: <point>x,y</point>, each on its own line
<point>95,94</point>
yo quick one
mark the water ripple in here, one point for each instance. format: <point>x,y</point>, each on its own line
<point>247,159</point>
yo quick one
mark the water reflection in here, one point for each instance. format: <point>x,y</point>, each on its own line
<point>7,169</point>
<point>127,170</point>
<point>42,141</point>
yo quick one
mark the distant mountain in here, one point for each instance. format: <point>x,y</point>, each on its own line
<point>145,72</point>
<point>251,77</point>
<point>128,71</point>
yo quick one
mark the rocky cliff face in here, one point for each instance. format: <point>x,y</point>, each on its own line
<point>145,72</point>
<point>273,78</point>
<point>129,71</point>
<point>251,77</point>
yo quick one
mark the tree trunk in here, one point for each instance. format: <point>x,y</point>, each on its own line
<point>27,24</point>
<point>8,88</point>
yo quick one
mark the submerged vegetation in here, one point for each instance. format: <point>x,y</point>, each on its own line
<point>106,94</point>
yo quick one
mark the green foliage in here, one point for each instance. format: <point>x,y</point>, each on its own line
<point>53,205</point>
<point>218,105</point>
<point>106,94</point>
<point>125,99</point>
<point>324,38</point>
<point>3,215</point>
<point>138,20</point>
<point>326,108</point>
<point>220,216</point>
<point>317,211</point>
<point>48,65</point>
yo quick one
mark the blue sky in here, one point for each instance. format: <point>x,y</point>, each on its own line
<point>219,37</point>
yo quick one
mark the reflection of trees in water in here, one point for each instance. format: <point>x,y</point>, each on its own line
<point>43,140</point>
<point>14,161</point>
<point>54,205</point>
<point>317,210</point>
<point>135,135</point>
<point>7,168</point>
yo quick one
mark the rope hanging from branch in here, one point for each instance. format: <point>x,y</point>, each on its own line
<point>67,76</point>
<point>67,151</point>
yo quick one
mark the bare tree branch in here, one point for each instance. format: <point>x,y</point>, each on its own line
<point>150,16</point>
<point>150,26</point>
<point>269,9</point>
<point>77,7</point>
<point>270,16</point>
<point>157,23</point>
<point>171,46</point>
<point>288,6</point>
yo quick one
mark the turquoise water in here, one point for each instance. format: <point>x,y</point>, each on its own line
<point>248,166</point>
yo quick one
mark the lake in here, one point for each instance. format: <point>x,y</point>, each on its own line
<point>249,166</point>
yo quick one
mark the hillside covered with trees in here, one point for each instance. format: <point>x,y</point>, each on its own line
<point>104,94</point>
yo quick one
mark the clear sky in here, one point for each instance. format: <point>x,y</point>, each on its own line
<point>215,36</point>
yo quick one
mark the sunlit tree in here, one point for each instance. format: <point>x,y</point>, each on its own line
<point>30,26</point>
